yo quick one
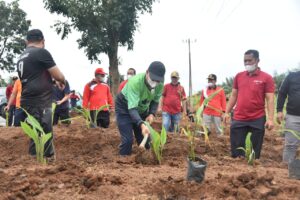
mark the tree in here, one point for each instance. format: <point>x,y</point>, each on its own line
<point>227,86</point>
<point>104,26</point>
<point>13,28</point>
<point>278,79</point>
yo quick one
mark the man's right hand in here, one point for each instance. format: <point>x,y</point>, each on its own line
<point>145,130</point>
<point>6,108</point>
<point>279,117</point>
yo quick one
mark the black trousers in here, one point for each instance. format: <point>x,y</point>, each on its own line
<point>44,117</point>
<point>11,114</point>
<point>238,134</point>
<point>102,119</point>
<point>61,114</point>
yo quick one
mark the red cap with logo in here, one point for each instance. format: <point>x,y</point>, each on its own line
<point>100,71</point>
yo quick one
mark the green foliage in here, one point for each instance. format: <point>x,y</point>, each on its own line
<point>191,138</point>
<point>34,130</point>
<point>13,28</point>
<point>53,110</point>
<point>295,133</point>
<point>227,85</point>
<point>278,79</point>
<point>87,114</point>
<point>6,116</point>
<point>158,140</point>
<point>104,26</point>
<point>248,149</point>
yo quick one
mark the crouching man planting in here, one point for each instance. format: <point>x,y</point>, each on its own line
<point>138,101</point>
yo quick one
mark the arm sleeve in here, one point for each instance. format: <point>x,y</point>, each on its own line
<point>86,96</point>
<point>135,116</point>
<point>67,88</point>
<point>153,107</point>
<point>282,94</point>
<point>270,85</point>
<point>46,60</point>
<point>183,94</point>
<point>235,82</point>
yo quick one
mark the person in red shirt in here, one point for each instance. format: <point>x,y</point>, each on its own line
<point>130,73</point>
<point>12,108</point>
<point>173,103</point>
<point>96,94</point>
<point>212,114</point>
<point>74,98</point>
<point>251,89</point>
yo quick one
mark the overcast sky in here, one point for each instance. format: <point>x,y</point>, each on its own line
<point>221,31</point>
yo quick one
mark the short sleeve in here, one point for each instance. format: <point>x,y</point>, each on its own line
<point>235,82</point>
<point>158,92</point>
<point>132,95</point>
<point>67,88</point>
<point>270,85</point>
<point>45,58</point>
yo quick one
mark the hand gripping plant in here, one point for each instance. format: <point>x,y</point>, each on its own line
<point>158,140</point>
<point>33,129</point>
<point>248,149</point>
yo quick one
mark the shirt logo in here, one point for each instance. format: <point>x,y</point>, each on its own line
<point>258,82</point>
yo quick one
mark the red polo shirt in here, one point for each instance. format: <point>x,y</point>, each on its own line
<point>172,97</point>
<point>251,94</point>
<point>122,85</point>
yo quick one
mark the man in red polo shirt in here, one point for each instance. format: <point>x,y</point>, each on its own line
<point>251,89</point>
<point>173,103</point>
<point>96,94</point>
<point>214,110</point>
<point>12,108</point>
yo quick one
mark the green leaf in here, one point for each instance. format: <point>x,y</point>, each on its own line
<point>30,132</point>
<point>163,136</point>
<point>45,138</point>
<point>33,122</point>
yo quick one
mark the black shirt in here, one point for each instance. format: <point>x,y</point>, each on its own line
<point>60,94</point>
<point>36,81</point>
<point>290,88</point>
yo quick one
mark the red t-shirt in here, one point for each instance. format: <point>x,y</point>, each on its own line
<point>172,97</point>
<point>122,85</point>
<point>217,105</point>
<point>9,90</point>
<point>251,94</point>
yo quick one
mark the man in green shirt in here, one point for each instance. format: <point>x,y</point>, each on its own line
<point>138,101</point>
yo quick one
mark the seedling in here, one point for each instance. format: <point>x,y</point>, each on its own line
<point>191,138</point>
<point>248,149</point>
<point>6,116</point>
<point>295,133</point>
<point>158,140</point>
<point>33,129</point>
<point>87,114</point>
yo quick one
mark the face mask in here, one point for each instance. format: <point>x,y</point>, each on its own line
<point>210,85</point>
<point>250,68</point>
<point>151,83</point>
<point>129,76</point>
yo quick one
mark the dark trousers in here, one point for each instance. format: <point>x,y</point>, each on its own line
<point>238,137</point>
<point>11,114</point>
<point>61,114</point>
<point>44,117</point>
<point>20,116</point>
<point>102,119</point>
<point>127,128</point>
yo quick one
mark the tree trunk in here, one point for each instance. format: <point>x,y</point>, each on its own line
<point>114,70</point>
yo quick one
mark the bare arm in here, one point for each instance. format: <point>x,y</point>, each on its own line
<point>232,100</point>
<point>270,109</point>
<point>66,97</point>
<point>11,99</point>
<point>57,75</point>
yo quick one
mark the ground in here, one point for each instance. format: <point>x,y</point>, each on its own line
<point>88,167</point>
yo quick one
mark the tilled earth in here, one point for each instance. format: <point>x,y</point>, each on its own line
<point>88,166</point>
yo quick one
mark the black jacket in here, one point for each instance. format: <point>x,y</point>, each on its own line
<point>290,88</point>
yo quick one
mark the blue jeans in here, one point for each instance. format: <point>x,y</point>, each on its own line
<point>171,121</point>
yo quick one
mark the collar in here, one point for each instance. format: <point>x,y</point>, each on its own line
<point>255,73</point>
<point>178,83</point>
<point>212,88</point>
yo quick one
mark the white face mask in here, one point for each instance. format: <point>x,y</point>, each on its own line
<point>250,68</point>
<point>151,83</point>
<point>129,76</point>
<point>210,85</point>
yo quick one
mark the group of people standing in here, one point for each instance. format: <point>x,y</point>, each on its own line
<point>142,95</point>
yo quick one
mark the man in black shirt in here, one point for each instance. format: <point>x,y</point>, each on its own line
<point>36,68</point>
<point>61,98</point>
<point>290,89</point>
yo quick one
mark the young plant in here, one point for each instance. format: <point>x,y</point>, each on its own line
<point>191,138</point>
<point>53,110</point>
<point>87,114</point>
<point>248,149</point>
<point>199,115</point>
<point>33,129</point>
<point>6,116</point>
<point>158,141</point>
<point>295,133</point>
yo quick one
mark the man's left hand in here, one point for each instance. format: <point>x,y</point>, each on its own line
<point>150,119</point>
<point>269,124</point>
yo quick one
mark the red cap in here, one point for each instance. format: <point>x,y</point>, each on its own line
<point>100,71</point>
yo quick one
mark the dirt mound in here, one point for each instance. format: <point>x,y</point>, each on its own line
<point>88,166</point>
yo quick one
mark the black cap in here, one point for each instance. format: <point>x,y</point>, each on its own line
<point>35,35</point>
<point>212,77</point>
<point>157,71</point>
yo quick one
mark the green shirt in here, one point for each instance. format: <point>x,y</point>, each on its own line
<point>138,95</point>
